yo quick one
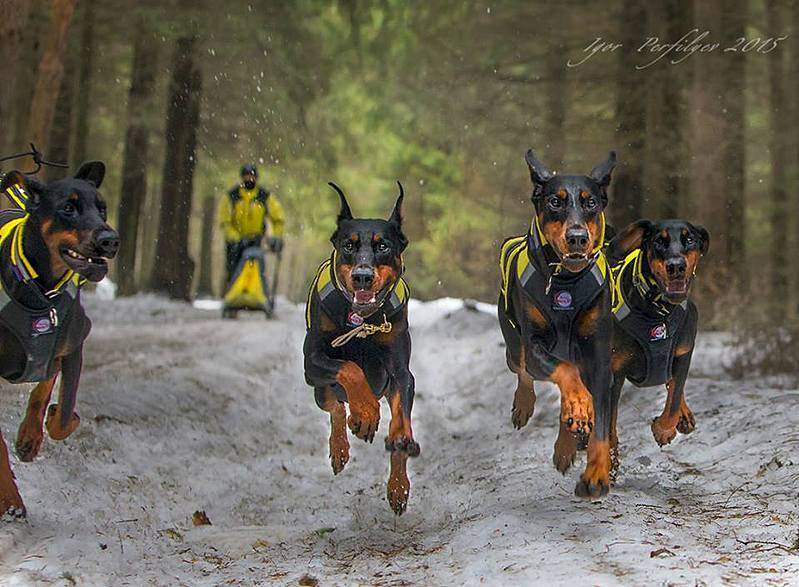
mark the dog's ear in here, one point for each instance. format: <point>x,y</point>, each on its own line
<point>704,237</point>
<point>396,218</point>
<point>539,173</point>
<point>629,239</point>
<point>345,213</point>
<point>92,172</point>
<point>602,172</point>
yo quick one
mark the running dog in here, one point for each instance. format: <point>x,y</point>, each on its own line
<point>554,312</point>
<point>357,346</point>
<point>654,264</point>
<point>57,240</point>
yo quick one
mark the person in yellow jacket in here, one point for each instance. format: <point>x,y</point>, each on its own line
<point>243,216</point>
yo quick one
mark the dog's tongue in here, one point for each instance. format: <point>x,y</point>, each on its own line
<point>363,296</point>
<point>676,286</point>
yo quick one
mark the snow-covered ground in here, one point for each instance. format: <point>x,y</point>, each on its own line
<point>182,411</point>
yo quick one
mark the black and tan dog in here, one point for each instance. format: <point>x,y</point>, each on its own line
<point>554,311</point>
<point>357,346</point>
<point>654,264</point>
<point>47,251</point>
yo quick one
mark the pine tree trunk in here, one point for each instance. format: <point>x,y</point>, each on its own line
<point>12,29</point>
<point>136,156</point>
<point>61,132</point>
<point>556,100</point>
<point>34,32</point>
<point>734,106</point>
<point>627,194</point>
<point>85,81</point>
<point>173,267</point>
<point>777,147</point>
<point>50,74</point>
<point>205,285</point>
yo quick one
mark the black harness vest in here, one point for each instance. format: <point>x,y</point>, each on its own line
<point>654,327</point>
<point>38,329</point>
<point>560,296</point>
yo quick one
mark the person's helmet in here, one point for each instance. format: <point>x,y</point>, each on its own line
<point>249,170</point>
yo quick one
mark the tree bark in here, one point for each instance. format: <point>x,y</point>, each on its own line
<point>205,285</point>
<point>14,17</point>
<point>174,267</point>
<point>627,193</point>
<point>777,147</point>
<point>30,54</point>
<point>734,108</point>
<point>136,156</point>
<point>61,132</point>
<point>50,73</point>
<point>85,82</point>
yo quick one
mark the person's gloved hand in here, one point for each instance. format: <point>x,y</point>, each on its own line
<point>275,244</point>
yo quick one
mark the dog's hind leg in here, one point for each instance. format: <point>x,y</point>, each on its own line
<point>339,444</point>
<point>10,499</point>
<point>31,431</point>
<point>565,449</point>
<point>61,417</point>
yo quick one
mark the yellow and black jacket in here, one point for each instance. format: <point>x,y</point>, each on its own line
<point>653,323</point>
<point>560,295</point>
<point>40,323</point>
<point>336,305</point>
<point>243,214</point>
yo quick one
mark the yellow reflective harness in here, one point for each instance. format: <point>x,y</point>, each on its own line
<point>38,328</point>
<point>336,305</point>
<point>559,294</point>
<point>653,323</point>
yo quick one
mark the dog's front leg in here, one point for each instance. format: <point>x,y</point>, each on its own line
<point>10,499</point>
<point>31,431</point>
<point>664,427</point>
<point>61,417</point>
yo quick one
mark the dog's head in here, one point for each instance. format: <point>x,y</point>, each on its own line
<point>569,208</point>
<point>368,255</point>
<point>70,216</point>
<point>671,248</point>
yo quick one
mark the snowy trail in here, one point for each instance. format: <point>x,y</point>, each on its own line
<point>182,411</point>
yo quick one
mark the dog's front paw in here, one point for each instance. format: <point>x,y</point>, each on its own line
<point>53,423</point>
<point>577,414</point>
<point>339,452</point>
<point>399,487</point>
<point>687,423</point>
<point>403,444</point>
<point>663,430</point>
<point>565,450</point>
<point>28,444</point>
<point>12,508</point>
<point>595,480</point>
<point>523,409</point>
<point>364,420</point>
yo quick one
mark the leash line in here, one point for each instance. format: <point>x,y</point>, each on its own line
<point>362,331</point>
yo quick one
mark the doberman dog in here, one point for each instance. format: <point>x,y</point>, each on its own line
<point>654,264</point>
<point>357,346</point>
<point>49,249</point>
<point>554,311</point>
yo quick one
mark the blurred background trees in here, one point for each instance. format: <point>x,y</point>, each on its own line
<point>174,96</point>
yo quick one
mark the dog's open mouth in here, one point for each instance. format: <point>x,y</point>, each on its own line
<point>677,287</point>
<point>90,267</point>
<point>364,297</point>
<point>575,261</point>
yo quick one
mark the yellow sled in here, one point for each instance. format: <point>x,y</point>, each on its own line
<point>248,289</point>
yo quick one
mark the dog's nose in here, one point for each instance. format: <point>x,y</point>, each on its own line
<point>577,238</point>
<point>676,267</point>
<point>107,242</point>
<point>362,277</point>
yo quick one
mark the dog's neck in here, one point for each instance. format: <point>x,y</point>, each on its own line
<point>35,249</point>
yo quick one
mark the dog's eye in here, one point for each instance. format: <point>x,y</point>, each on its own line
<point>382,247</point>
<point>555,203</point>
<point>349,247</point>
<point>589,203</point>
<point>69,209</point>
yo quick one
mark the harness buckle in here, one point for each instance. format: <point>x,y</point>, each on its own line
<point>54,317</point>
